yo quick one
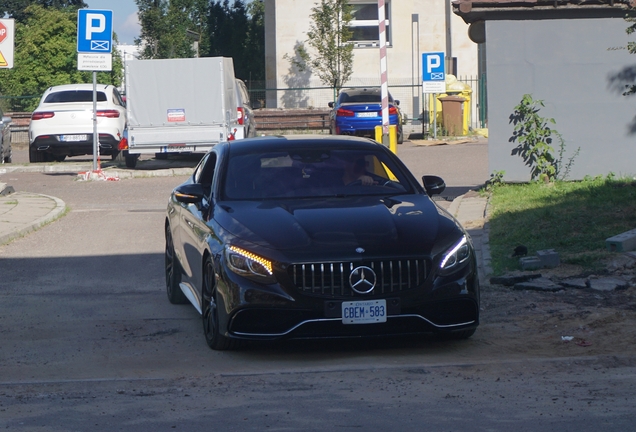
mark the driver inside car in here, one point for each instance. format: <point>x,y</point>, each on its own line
<point>355,170</point>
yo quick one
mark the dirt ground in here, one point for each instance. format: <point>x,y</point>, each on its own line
<point>568,322</point>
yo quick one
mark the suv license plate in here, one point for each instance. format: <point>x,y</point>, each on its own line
<point>69,138</point>
<point>364,312</point>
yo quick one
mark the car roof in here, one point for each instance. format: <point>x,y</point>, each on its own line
<point>67,87</point>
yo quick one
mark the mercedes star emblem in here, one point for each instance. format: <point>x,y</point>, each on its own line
<point>362,279</point>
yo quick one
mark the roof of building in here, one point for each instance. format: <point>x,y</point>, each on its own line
<point>477,10</point>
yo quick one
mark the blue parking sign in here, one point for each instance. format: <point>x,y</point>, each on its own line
<point>94,31</point>
<point>433,67</point>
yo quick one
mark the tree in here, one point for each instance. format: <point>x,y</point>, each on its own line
<point>255,41</point>
<point>45,55</point>
<point>631,48</point>
<point>169,28</point>
<point>238,31</point>
<point>328,37</point>
<point>16,8</point>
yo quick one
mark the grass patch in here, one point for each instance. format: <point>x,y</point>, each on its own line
<point>574,218</point>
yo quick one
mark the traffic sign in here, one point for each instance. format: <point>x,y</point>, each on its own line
<point>3,32</point>
<point>94,31</point>
<point>433,72</point>
<point>7,43</point>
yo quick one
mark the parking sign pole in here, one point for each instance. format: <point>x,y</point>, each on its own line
<point>95,135</point>
<point>433,80</point>
<point>94,47</point>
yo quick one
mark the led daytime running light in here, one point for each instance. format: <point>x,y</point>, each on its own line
<point>262,261</point>
<point>453,251</point>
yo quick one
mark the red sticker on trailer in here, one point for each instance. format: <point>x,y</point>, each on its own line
<point>176,115</point>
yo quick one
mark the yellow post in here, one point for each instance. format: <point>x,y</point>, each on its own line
<point>378,134</point>
<point>392,137</point>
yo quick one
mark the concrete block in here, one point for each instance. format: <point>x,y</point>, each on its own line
<point>622,242</point>
<point>608,284</point>
<point>540,284</point>
<point>530,263</point>
<point>511,280</point>
<point>549,258</point>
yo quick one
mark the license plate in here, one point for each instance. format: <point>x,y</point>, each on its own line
<point>178,149</point>
<point>72,138</point>
<point>367,114</point>
<point>364,312</point>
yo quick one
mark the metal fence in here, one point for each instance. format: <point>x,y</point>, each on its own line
<point>416,107</point>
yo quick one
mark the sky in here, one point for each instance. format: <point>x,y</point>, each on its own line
<point>125,22</point>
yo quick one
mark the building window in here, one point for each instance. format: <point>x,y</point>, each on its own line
<point>364,25</point>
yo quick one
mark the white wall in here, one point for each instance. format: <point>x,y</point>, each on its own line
<point>568,63</point>
<point>286,24</point>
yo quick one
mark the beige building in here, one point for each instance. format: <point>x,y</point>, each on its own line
<point>413,27</point>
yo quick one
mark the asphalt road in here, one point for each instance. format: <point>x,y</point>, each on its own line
<point>88,341</point>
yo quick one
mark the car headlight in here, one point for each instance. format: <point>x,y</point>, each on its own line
<point>455,256</point>
<point>245,263</point>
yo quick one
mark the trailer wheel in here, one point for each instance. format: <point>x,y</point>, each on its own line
<point>131,160</point>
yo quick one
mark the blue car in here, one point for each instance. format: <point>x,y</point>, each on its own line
<point>358,111</point>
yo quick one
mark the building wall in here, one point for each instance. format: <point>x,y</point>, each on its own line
<point>569,64</point>
<point>286,24</point>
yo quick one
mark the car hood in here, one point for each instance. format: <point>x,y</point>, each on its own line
<point>336,227</point>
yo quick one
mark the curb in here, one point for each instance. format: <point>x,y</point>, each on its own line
<point>111,170</point>
<point>477,227</point>
<point>55,213</point>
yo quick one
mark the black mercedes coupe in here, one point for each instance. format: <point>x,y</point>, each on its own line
<point>316,237</point>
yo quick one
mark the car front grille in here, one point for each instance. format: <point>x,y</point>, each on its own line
<point>332,279</point>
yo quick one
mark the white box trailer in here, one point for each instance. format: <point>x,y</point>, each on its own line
<point>180,105</point>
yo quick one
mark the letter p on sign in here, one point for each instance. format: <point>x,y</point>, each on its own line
<point>432,63</point>
<point>91,20</point>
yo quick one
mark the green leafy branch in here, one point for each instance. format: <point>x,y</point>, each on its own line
<point>534,138</point>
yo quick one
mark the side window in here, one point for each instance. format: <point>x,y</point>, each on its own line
<point>205,173</point>
<point>244,93</point>
<point>117,100</point>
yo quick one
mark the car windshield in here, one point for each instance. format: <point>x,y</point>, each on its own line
<point>371,97</point>
<point>74,96</point>
<point>312,173</point>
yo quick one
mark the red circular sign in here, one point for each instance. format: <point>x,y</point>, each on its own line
<point>3,32</point>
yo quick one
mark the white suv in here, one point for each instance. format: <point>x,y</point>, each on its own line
<point>62,124</point>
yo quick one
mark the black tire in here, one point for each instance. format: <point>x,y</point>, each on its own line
<point>161,156</point>
<point>210,313</point>
<point>131,160</point>
<point>35,156</point>
<point>5,158</point>
<point>400,136</point>
<point>59,158</point>
<point>173,273</point>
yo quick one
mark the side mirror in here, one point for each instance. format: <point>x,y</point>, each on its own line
<point>397,102</point>
<point>190,193</point>
<point>434,185</point>
<point>330,104</point>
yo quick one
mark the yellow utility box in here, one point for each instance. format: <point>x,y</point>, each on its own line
<point>453,88</point>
